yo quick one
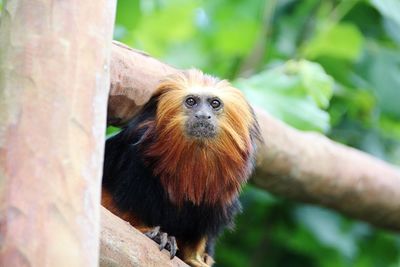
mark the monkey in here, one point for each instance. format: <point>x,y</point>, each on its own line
<point>176,169</point>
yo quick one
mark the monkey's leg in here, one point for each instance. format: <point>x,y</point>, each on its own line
<point>195,254</point>
<point>154,233</point>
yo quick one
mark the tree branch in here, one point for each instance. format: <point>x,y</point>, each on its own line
<point>302,166</point>
<point>309,167</point>
<point>124,246</point>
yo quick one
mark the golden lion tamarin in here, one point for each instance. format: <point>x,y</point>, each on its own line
<point>176,170</point>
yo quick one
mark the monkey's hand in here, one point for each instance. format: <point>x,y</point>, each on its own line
<point>164,241</point>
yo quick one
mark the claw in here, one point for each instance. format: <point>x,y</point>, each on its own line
<point>173,247</point>
<point>153,233</point>
<point>164,241</point>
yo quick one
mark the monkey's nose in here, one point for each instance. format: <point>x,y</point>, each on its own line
<point>202,115</point>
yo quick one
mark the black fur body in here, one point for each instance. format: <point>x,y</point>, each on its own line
<point>134,188</point>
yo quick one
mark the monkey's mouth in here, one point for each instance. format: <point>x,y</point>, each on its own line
<point>201,129</point>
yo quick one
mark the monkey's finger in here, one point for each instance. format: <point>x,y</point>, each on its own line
<point>173,246</point>
<point>153,233</point>
<point>163,240</point>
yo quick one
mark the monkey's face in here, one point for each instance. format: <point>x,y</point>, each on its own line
<point>201,112</point>
<point>197,107</point>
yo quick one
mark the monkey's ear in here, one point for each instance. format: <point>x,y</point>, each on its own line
<point>149,109</point>
<point>140,127</point>
<point>145,132</point>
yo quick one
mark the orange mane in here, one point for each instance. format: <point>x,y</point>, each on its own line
<point>208,171</point>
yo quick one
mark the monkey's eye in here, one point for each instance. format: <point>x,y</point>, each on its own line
<point>190,101</point>
<point>215,103</point>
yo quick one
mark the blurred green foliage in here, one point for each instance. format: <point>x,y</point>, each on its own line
<point>324,65</point>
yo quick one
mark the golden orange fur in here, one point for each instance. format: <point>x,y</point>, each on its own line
<point>207,171</point>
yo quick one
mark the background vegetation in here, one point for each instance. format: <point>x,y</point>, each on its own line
<point>323,65</point>
<point>329,66</point>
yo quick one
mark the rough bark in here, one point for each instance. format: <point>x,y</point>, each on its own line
<point>54,77</point>
<point>303,166</point>
<point>134,77</point>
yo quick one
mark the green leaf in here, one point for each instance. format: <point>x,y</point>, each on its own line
<point>318,84</point>
<point>383,75</point>
<point>236,37</point>
<point>233,37</point>
<point>111,130</point>
<point>128,13</point>
<point>343,40</point>
<point>294,92</point>
<point>159,29</point>
<point>390,127</point>
<point>326,227</point>
<point>392,29</point>
<point>388,8</point>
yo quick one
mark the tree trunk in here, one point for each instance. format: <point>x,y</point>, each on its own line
<point>54,81</point>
